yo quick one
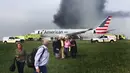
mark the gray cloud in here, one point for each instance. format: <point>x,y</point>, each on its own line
<point>75,13</point>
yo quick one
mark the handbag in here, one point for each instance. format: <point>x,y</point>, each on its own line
<point>13,67</point>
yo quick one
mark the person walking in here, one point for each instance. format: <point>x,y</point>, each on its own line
<point>62,55</point>
<point>42,57</point>
<point>56,47</point>
<point>73,48</point>
<point>20,58</point>
<point>66,46</point>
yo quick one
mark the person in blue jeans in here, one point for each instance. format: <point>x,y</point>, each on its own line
<point>67,45</point>
<point>20,58</point>
<point>42,57</point>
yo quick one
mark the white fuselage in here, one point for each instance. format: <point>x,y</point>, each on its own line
<point>84,33</point>
<point>57,32</point>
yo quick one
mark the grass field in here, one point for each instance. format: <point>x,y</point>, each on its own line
<point>92,58</point>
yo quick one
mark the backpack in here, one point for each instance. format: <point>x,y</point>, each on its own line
<point>31,56</point>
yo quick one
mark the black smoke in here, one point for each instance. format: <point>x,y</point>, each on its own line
<point>82,13</point>
<point>68,14</point>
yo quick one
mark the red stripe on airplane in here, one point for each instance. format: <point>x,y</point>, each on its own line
<point>106,26</point>
<point>107,22</point>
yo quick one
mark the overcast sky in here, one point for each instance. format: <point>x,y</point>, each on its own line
<point>23,16</point>
<point>121,25</point>
<point>118,5</point>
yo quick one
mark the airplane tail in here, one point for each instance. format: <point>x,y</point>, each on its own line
<point>103,28</point>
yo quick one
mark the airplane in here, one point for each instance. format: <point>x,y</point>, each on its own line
<point>100,30</point>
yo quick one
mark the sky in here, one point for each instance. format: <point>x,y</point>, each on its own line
<point>118,5</point>
<point>23,16</point>
<point>19,17</point>
<point>121,25</point>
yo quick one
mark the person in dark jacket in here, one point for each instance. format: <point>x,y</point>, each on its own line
<point>73,48</point>
<point>58,44</point>
<point>56,47</point>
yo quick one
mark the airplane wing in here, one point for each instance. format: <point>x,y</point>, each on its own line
<point>79,32</point>
<point>110,30</point>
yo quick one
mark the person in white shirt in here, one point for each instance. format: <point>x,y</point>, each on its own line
<point>42,57</point>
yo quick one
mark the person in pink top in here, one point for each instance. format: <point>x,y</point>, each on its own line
<point>66,46</point>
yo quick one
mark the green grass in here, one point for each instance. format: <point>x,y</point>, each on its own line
<point>92,58</point>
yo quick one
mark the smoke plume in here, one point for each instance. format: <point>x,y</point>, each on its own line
<point>83,13</point>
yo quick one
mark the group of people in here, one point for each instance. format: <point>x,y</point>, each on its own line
<point>63,47</point>
<point>40,60</point>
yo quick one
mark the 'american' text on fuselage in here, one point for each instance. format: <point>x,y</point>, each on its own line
<point>55,32</point>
